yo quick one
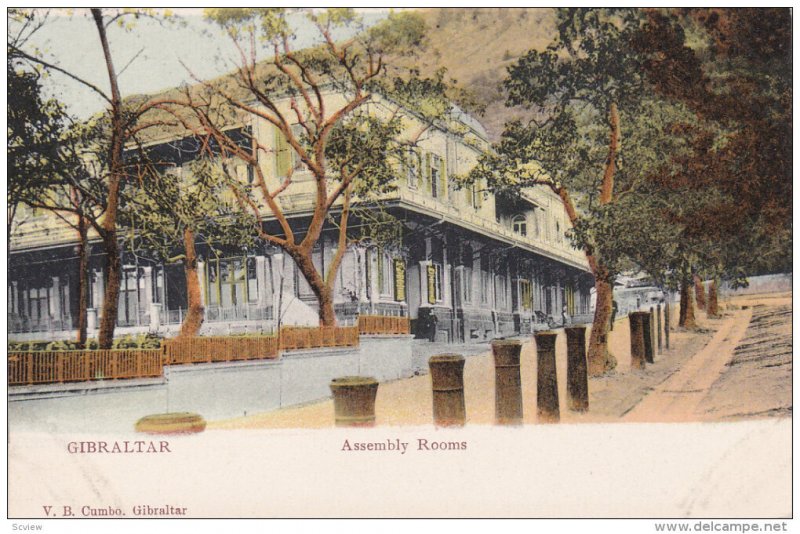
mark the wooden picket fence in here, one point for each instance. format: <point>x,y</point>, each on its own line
<point>383,324</point>
<point>42,367</point>
<point>203,349</point>
<point>302,337</point>
<point>27,368</point>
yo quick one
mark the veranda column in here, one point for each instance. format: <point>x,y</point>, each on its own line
<point>55,302</point>
<point>98,287</point>
<point>148,292</point>
<point>262,279</point>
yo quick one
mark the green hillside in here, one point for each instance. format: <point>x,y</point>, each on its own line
<point>476,46</point>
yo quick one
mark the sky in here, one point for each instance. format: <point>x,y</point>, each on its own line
<point>149,58</point>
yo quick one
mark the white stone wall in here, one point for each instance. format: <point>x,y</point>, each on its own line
<point>215,391</point>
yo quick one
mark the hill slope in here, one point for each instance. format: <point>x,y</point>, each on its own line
<point>477,45</point>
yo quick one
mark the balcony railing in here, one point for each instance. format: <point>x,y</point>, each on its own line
<point>562,248</point>
<point>136,317</point>
<point>348,311</point>
<point>18,324</point>
<point>249,312</point>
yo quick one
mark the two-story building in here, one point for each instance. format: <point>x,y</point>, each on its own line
<point>468,266</point>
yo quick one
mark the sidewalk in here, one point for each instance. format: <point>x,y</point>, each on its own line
<point>408,401</point>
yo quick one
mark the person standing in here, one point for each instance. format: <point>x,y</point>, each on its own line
<point>614,309</point>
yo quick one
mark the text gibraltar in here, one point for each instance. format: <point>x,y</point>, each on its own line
<point>117,447</point>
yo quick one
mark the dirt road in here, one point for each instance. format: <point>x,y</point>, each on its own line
<point>696,380</point>
<point>757,381</point>
<point>678,397</point>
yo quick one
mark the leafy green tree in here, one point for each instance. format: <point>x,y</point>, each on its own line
<point>35,126</point>
<point>119,126</point>
<point>599,138</point>
<point>740,168</point>
<point>351,151</point>
<point>42,154</point>
<point>174,208</point>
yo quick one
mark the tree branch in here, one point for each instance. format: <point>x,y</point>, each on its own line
<point>62,71</point>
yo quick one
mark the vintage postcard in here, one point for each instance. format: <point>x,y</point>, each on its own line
<point>399,263</point>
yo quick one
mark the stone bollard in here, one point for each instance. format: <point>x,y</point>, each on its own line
<point>447,382</point>
<point>546,378</point>
<point>354,400</point>
<point>637,339</point>
<point>577,379</point>
<point>666,324</point>
<point>507,383</point>
<point>658,326</point>
<point>647,334</point>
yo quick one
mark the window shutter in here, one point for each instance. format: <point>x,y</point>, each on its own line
<point>442,178</point>
<point>399,280</point>
<point>478,196</point>
<point>428,172</point>
<point>431,270</point>
<point>282,155</point>
<point>420,170</point>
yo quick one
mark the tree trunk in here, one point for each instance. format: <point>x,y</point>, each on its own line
<point>113,274</point>
<point>686,319</point>
<point>83,282</point>
<point>196,312</point>
<point>700,292</point>
<point>116,173</point>
<point>713,300</point>
<point>324,294</point>
<point>599,358</point>
<point>327,315</point>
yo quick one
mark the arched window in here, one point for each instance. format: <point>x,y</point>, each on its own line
<point>519,225</point>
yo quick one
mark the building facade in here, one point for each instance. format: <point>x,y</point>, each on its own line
<point>468,266</point>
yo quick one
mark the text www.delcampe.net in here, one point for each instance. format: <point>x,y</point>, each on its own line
<point>721,526</point>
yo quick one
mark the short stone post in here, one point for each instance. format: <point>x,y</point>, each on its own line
<point>546,379</point>
<point>354,400</point>
<point>447,382</point>
<point>647,334</point>
<point>637,339</point>
<point>658,325</point>
<point>508,383</point>
<point>666,323</point>
<point>577,379</point>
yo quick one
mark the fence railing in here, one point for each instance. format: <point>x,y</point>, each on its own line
<point>19,324</point>
<point>42,367</point>
<point>27,368</point>
<point>227,349</point>
<point>219,349</point>
<point>382,324</point>
<point>299,337</point>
